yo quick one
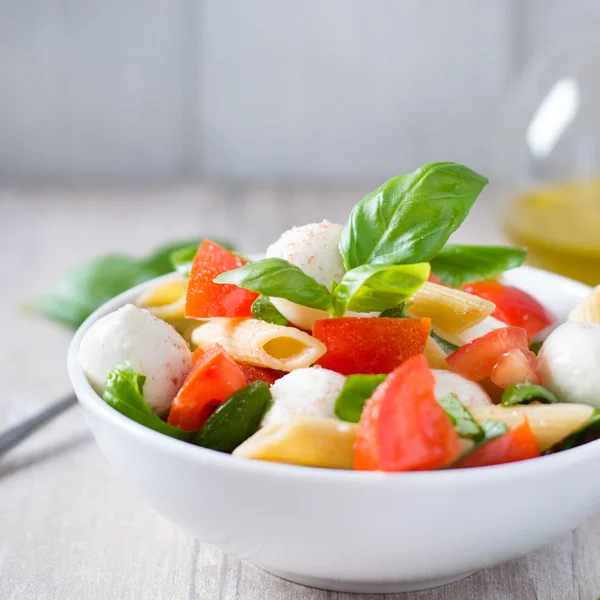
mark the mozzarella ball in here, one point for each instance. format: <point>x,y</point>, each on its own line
<point>310,392</point>
<point>467,391</point>
<point>314,248</point>
<point>569,363</point>
<point>152,346</point>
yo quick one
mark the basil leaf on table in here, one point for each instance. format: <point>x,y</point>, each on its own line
<point>377,287</point>
<point>356,391</point>
<point>123,391</point>
<point>182,258</point>
<point>278,278</point>
<point>524,393</point>
<point>236,419</point>
<point>86,287</point>
<point>456,264</point>
<point>410,217</point>
<point>466,426</point>
<point>262,308</point>
<point>445,345</point>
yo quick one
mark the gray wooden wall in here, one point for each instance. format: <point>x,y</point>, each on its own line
<point>164,90</point>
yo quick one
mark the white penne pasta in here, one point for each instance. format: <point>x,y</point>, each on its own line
<point>312,442</point>
<point>260,343</point>
<point>449,309</point>
<point>166,299</point>
<point>588,309</point>
<point>550,422</point>
<point>435,356</point>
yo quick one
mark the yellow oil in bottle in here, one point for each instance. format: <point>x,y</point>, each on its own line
<point>560,225</point>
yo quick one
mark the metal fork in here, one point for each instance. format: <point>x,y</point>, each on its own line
<point>15,435</point>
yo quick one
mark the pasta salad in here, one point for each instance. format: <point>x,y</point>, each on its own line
<point>374,345</point>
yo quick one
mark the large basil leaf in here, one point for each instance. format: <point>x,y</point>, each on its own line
<point>356,391</point>
<point>410,217</point>
<point>236,419</point>
<point>262,308</point>
<point>525,393</point>
<point>123,391</point>
<point>456,264</point>
<point>377,287</point>
<point>278,278</point>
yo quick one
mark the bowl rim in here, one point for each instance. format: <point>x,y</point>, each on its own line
<point>90,400</point>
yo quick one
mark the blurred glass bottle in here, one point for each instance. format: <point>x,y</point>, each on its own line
<point>550,141</point>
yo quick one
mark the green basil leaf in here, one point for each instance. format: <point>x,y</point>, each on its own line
<point>377,287</point>
<point>445,345</point>
<point>535,347</point>
<point>159,261</point>
<point>410,217</point>
<point>86,287</point>
<point>524,393</point>
<point>356,391</point>
<point>263,309</point>
<point>236,419</point>
<point>398,312</point>
<point>456,264</point>
<point>278,278</point>
<point>123,391</point>
<point>493,429</point>
<point>182,259</point>
<point>587,432</point>
<point>466,426</point>
<point>78,294</point>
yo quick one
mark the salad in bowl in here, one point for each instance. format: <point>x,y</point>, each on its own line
<point>373,345</point>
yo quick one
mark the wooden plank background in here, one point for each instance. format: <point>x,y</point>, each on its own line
<point>164,90</point>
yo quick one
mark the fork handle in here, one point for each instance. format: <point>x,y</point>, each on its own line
<point>13,436</point>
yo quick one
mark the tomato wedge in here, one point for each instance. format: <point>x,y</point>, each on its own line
<point>402,427</point>
<point>370,345</point>
<point>513,306</point>
<point>213,378</point>
<point>477,359</point>
<point>517,444</point>
<point>517,366</point>
<point>205,298</point>
<point>251,372</point>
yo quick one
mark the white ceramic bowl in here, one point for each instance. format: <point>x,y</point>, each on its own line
<point>347,531</point>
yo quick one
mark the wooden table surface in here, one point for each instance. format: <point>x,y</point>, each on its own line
<point>70,529</point>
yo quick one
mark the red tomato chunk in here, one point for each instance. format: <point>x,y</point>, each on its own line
<point>213,378</point>
<point>205,298</point>
<point>477,359</point>
<point>402,427</point>
<point>370,345</point>
<point>513,306</point>
<point>517,444</point>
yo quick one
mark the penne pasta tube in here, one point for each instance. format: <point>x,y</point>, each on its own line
<point>260,343</point>
<point>435,356</point>
<point>449,309</point>
<point>588,309</point>
<point>166,299</point>
<point>550,422</point>
<point>310,442</point>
